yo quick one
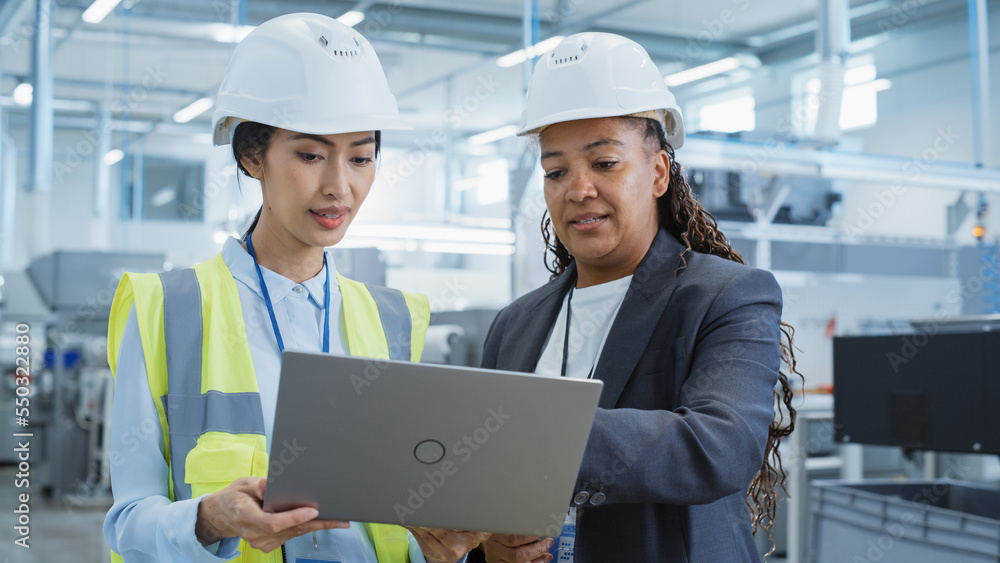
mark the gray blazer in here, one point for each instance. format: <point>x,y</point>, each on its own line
<point>689,368</point>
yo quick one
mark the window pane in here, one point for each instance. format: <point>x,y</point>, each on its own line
<point>173,189</point>
<point>732,115</point>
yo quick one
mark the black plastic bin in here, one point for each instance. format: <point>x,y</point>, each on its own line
<point>904,522</point>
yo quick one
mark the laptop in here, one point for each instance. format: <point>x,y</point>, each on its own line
<point>427,445</point>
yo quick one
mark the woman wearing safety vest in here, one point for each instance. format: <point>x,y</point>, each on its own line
<point>649,297</point>
<point>196,352</point>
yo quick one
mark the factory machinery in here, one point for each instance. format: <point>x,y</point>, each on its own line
<point>61,302</point>
<point>64,299</point>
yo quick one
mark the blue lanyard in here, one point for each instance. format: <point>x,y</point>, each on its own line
<point>270,308</point>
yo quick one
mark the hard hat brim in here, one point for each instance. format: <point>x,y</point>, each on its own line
<point>675,137</point>
<point>225,125</point>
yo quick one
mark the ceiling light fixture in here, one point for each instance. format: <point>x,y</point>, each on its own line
<point>521,55</point>
<point>352,18</point>
<point>99,10</point>
<point>232,33</point>
<point>704,71</point>
<point>193,110</point>
<point>23,94</point>
<point>113,156</point>
<point>493,136</point>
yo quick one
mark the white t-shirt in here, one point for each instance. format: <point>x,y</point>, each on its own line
<point>594,309</point>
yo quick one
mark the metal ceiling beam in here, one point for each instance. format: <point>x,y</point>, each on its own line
<point>40,153</point>
<point>896,172</point>
<point>80,83</point>
<point>826,235</point>
<point>867,21</point>
<point>432,28</point>
<point>12,11</point>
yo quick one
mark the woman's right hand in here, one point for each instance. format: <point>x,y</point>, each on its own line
<point>236,511</point>
<point>500,548</point>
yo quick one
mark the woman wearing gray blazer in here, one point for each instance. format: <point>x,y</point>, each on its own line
<point>682,460</point>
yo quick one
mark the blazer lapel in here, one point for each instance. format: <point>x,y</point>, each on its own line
<point>525,340</point>
<point>652,285</point>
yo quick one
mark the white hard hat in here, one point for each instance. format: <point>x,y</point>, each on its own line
<point>307,73</point>
<point>594,74</point>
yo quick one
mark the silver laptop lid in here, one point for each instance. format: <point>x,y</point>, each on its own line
<point>427,445</point>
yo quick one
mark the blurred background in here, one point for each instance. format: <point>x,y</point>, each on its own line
<point>846,146</point>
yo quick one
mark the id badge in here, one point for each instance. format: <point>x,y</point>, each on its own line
<point>563,549</point>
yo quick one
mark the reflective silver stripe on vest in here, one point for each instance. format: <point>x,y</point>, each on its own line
<point>191,413</point>
<point>395,317</point>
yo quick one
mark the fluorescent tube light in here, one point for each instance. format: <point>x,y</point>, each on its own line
<point>99,10</point>
<point>521,55</point>
<point>431,233</point>
<point>232,33</point>
<point>193,110</point>
<point>23,94</point>
<point>113,157</point>
<point>468,248</point>
<point>703,71</point>
<point>352,18</point>
<point>493,136</point>
<point>879,85</point>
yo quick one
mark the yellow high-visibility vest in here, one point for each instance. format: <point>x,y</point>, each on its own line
<point>203,384</point>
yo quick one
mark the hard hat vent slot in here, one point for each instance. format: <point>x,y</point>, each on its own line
<point>565,60</point>
<point>323,41</point>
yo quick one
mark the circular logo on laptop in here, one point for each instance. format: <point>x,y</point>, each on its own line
<point>429,452</point>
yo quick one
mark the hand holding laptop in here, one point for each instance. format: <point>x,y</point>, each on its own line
<point>503,547</point>
<point>236,511</point>
<point>446,546</point>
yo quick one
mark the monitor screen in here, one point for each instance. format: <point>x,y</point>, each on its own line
<point>924,391</point>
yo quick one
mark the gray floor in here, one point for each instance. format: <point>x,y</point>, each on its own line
<point>58,532</point>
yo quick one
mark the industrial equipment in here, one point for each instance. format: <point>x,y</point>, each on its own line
<point>65,298</point>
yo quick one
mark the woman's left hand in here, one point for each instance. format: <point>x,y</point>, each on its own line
<point>446,546</point>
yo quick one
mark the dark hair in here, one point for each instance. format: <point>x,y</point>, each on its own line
<point>251,140</point>
<point>684,218</point>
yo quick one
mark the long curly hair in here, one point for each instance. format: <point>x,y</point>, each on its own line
<point>684,218</point>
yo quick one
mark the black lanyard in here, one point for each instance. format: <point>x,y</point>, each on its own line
<point>565,358</point>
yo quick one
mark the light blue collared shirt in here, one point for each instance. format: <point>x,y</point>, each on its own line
<point>144,525</point>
